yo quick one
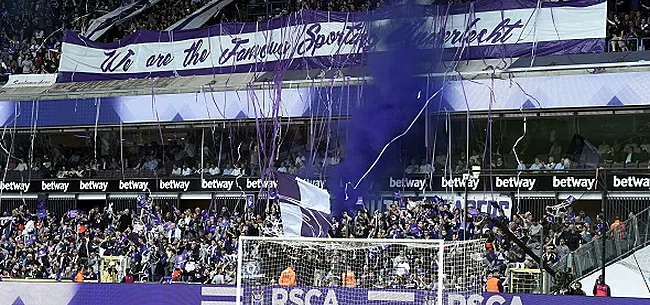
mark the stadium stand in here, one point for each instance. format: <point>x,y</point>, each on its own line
<point>200,245</point>
<point>163,242</point>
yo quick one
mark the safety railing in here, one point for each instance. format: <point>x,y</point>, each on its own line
<point>629,236</point>
<point>644,44</point>
<point>623,44</point>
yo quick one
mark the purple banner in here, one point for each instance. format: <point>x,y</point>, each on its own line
<point>15,293</point>
<point>315,39</point>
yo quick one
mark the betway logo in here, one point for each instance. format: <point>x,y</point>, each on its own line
<point>420,184</point>
<point>477,299</point>
<point>174,185</point>
<point>55,186</point>
<point>217,184</point>
<point>131,185</point>
<point>573,182</point>
<point>515,182</point>
<point>460,182</point>
<point>93,185</point>
<point>15,186</point>
<point>259,184</point>
<point>632,181</point>
<point>316,182</point>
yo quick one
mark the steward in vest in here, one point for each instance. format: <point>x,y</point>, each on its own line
<point>601,289</point>
<point>128,278</point>
<point>287,277</point>
<point>494,283</point>
<point>79,278</point>
<point>348,279</point>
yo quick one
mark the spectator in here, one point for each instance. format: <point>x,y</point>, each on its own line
<point>177,172</point>
<point>288,277</point>
<point>494,283</point>
<point>348,279</point>
<point>79,278</point>
<point>214,170</point>
<point>537,165</point>
<point>562,249</point>
<point>601,289</point>
<point>128,277</point>
<point>576,289</point>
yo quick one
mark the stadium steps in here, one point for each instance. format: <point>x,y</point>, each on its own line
<point>627,256</point>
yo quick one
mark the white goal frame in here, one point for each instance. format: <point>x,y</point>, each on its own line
<point>430,242</point>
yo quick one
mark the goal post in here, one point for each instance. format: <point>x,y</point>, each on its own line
<point>298,270</point>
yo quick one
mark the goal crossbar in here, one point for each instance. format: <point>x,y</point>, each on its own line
<point>437,246</point>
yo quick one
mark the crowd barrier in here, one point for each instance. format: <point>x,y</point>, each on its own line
<point>38,293</point>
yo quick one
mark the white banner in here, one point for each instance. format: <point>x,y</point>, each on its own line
<point>208,51</point>
<point>30,80</point>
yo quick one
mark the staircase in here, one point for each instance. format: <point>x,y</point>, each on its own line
<point>628,277</point>
<point>626,250</point>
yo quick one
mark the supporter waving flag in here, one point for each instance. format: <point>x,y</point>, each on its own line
<point>30,241</point>
<point>41,211</point>
<point>200,17</point>
<point>102,24</point>
<point>304,207</point>
<point>144,203</point>
<point>74,213</point>
<point>155,219</point>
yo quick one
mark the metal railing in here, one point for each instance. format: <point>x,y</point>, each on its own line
<point>628,44</point>
<point>630,236</point>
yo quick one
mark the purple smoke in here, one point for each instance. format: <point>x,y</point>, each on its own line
<point>390,103</point>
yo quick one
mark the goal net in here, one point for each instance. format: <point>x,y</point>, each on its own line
<point>356,271</point>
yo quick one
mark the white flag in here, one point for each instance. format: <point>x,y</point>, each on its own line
<point>304,207</point>
<point>101,25</point>
<point>200,16</point>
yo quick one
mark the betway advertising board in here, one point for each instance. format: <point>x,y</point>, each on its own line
<point>173,185</point>
<point>183,294</point>
<point>578,182</point>
<point>526,182</point>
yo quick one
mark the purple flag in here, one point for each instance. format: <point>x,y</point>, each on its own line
<point>397,195</point>
<point>143,203</point>
<point>74,213</point>
<point>570,199</point>
<point>30,241</point>
<point>250,201</point>
<point>273,194</point>
<point>155,219</point>
<point>41,211</point>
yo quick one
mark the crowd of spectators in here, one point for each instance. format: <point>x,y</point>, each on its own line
<point>163,243</point>
<point>552,237</point>
<point>233,153</point>
<point>237,153</point>
<point>616,155</point>
<point>31,31</point>
<point>627,25</point>
<point>156,18</point>
<point>158,243</point>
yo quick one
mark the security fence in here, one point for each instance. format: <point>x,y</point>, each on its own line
<point>619,242</point>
